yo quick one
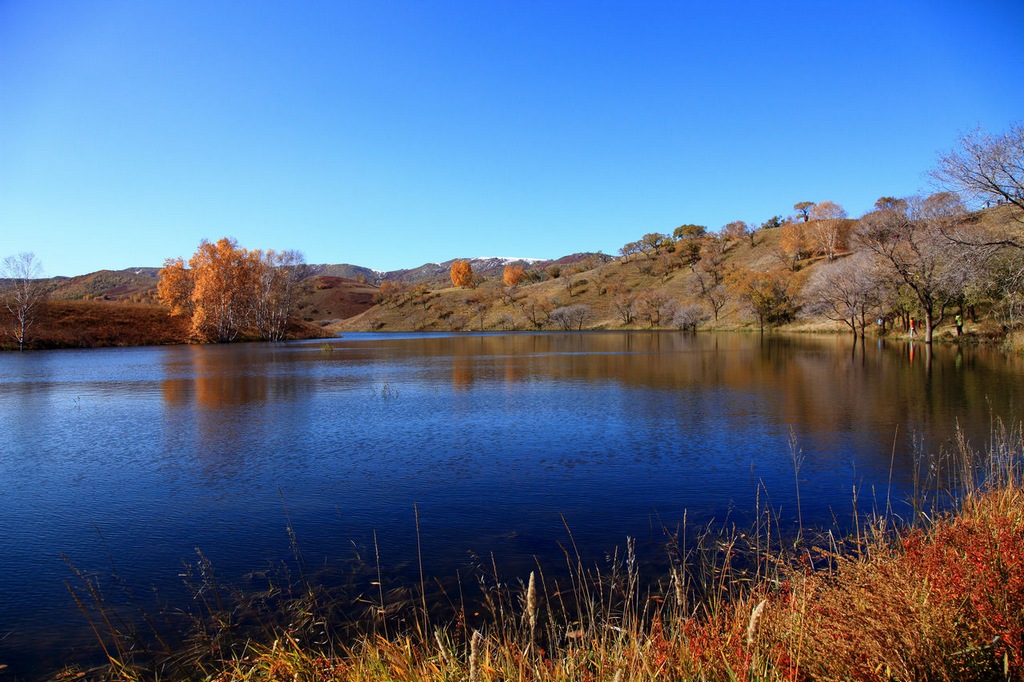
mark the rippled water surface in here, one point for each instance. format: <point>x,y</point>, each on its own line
<point>128,460</point>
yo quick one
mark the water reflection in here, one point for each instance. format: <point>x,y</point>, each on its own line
<point>145,454</point>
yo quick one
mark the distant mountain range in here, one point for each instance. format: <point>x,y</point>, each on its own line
<point>488,266</point>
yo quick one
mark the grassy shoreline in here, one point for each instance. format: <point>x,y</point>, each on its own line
<point>941,598</point>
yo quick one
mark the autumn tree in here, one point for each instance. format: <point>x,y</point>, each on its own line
<point>989,168</point>
<point>735,230</point>
<point>690,231</point>
<point>391,292</point>
<point>769,296</point>
<point>225,288</point>
<point>462,273</point>
<point>224,280</point>
<point>652,243</point>
<point>688,245</point>
<point>22,294</point>
<point>794,244</point>
<point>513,275</point>
<point>628,250</point>
<point>829,228</point>
<point>804,209</point>
<point>174,288</point>
<point>890,204</point>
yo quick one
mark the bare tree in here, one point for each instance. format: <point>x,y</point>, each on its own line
<point>988,168</point>
<point>912,248</point>
<point>651,306</point>
<point>828,225</point>
<point>846,291</point>
<point>22,293</point>
<point>689,317</point>
<point>572,317</point>
<point>709,274</point>
<point>536,310</point>
<point>624,305</point>
<point>275,280</point>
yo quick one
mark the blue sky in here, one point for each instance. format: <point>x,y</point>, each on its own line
<point>390,134</point>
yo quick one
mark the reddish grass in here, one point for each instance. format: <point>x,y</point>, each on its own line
<point>96,324</point>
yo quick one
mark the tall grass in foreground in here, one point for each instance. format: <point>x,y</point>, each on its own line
<point>939,599</point>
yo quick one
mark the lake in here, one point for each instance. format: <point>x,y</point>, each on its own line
<point>129,460</point>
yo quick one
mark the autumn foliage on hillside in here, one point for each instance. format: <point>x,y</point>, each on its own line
<point>462,273</point>
<point>225,289</point>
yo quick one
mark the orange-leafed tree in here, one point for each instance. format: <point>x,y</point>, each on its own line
<point>794,243</point>
<point>226,289</point>
<point>769,296</point>
<point>513,275</point>
<point>174,289</point>
<point>224,279</point>
<point>462,273</point>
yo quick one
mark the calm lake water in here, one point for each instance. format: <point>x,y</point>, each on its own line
<point>128,460</point>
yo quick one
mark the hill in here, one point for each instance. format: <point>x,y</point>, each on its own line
<point>768,277</point>
<point>753,279</point>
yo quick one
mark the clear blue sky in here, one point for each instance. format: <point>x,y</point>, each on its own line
<point>390,134</point>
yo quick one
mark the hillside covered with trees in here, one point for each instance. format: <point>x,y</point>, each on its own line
<point>925,265</point>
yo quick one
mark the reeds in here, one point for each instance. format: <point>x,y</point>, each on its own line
<point>940,600</point>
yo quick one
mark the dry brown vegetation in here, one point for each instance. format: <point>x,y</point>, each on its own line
<point>92,324</point>
<point>96,324</point>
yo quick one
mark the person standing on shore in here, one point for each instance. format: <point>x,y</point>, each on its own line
<point>911,327</point>
<point>959,320</point>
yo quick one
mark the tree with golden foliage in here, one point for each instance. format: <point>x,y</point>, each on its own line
<point>391,292</point>
<point>224,278</point>
<point>735,230</point>
<point>513,275</point>
<point>769,296</point>
<point>804,209</point>
<point>794,243</point>
<point>174,289</point>
<point>226,288</point>
<point>462,273</point>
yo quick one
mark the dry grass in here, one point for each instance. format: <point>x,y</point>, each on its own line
<point>92,324</point>
<point>96,324</point>
<point>943,600</point>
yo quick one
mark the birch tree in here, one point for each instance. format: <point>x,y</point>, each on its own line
<point>22,294</point>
